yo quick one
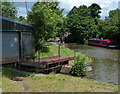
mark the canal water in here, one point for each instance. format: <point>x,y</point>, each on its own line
<point>105,63</point>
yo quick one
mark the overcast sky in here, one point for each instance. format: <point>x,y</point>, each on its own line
<point>106,6</point>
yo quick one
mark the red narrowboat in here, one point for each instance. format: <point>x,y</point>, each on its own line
<point>103,43</point>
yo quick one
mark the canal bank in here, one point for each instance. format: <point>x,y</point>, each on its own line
<point>51,82</point>
<point>105,62</point>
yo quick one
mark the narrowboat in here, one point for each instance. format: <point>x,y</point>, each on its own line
<point>103,43</point>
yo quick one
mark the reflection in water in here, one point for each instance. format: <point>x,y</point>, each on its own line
<point>104,65</point>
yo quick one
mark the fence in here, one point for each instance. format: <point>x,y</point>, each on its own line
<point>41,57</point>
<point>37,51</point>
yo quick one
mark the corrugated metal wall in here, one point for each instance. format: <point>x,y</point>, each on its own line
<point>10,47</point>
<point>0,47</point>
<point>27,47</point>
<point>16,39</point>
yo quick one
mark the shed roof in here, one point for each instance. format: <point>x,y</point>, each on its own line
<point>15,21</point>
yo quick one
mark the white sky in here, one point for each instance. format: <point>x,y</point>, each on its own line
<point>106,5</point>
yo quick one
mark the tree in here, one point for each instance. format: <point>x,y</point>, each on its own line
<point>95,10</point>
<point>114,23</point>
<point>109,28</point>
<point>47,20</point>
<point>8,9</point>
<point>21,18</point>
<point>81,25</point>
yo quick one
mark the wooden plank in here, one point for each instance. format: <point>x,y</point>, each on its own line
<point>44,58</point>
<point>48,61</point>
<point>53,67</point>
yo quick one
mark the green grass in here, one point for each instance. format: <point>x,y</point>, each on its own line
<point>64,52</point>
<point>53,83</point>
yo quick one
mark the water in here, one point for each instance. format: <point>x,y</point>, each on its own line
<point>105,63</point>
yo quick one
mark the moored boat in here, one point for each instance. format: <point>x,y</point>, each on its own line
<point>103,43</point>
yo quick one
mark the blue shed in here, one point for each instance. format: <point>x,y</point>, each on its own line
<point>16,39</point>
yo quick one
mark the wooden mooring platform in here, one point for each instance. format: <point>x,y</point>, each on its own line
<point>44,65</point>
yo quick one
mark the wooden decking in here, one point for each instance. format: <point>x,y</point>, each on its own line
<point>46,63</point>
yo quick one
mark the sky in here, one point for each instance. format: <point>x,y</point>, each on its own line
<point>106,6</point>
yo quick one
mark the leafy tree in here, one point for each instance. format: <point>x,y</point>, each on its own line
<point>114,24</point>
<point>81,25</point>
<point>21,18</point>
<point>8,10</point>
<point>47,20</point>
<point>110,27</point>
<point>95,10</point>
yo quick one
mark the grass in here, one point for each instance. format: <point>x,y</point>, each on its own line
<point>64,52</point>
<point>52,83</point>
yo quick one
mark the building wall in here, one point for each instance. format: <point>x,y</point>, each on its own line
<point>27,46</point>
<point>16,39</point>
<point>10,47</point>
<point>0,47</point>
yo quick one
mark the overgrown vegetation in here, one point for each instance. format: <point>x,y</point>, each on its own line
<point>79,67</point>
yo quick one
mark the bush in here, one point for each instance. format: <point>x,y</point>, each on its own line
<point>79,67</point>
<point>45,49</point>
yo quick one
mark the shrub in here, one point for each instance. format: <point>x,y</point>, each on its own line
<point>45,49</point>
<point>79,66</point>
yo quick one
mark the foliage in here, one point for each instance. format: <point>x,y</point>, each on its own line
<point>81,25</point>
<point>47,20</point>
<point>8,10</point>
<point>109,28</point>
<point>95,10</point>
<point>21,18</point>
<point>79,67</point>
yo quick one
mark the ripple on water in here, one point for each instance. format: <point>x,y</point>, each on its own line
<point>105,66</point>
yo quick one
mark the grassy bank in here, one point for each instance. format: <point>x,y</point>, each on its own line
<point>65,52</point>
<point>52,83</point>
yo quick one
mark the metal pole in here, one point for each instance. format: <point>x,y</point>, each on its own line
<point>26,7</point>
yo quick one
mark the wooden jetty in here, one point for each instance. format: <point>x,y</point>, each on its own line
<point>45,64</point>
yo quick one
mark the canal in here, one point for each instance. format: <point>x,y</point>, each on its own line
<point>105,63</point>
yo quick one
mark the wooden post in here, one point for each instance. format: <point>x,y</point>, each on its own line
<point>59,50</point>
<point>74,52</point>
<point>39,54</point>
<point>42,51</point>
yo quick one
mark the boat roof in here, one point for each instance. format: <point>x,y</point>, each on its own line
<point>101,39</point>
